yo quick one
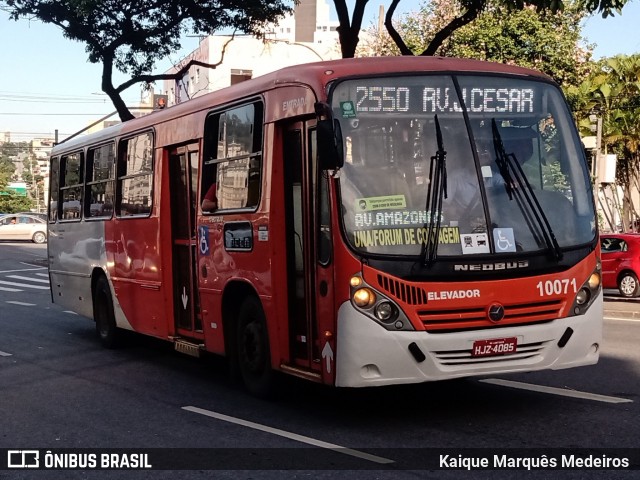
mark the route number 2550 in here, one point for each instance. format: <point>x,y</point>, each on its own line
<point>557,287</point>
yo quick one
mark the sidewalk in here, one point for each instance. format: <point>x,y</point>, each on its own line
<point>621,307</point>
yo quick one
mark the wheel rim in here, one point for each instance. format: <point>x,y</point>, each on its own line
<point>39,237</point>
<point>628,285</point>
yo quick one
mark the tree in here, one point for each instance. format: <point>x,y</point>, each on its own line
<point>131,35</point>
<point>12,203</point>
<point>349,29</point>
<point>466,12</point>
<point>612,91</point>
<point>7,169</point>
<point>544,41</point>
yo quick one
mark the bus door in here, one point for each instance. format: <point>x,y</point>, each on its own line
<point>309,267</point>
<point>183,174</point>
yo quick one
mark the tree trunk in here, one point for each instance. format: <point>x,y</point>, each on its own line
<point>109,89</point>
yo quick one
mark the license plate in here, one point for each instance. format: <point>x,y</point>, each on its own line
<point>494,346</point>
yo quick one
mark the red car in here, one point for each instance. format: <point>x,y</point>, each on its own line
<point>621,262</point>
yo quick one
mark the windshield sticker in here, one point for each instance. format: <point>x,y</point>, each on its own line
<point>348,110</point>
<point>380,203</point>
<point>504,240</point>
<point>475,243</point>
<point>397,218</point>
<point>403,236</point>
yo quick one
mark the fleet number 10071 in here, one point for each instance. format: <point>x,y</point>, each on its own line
<point>557,287</point>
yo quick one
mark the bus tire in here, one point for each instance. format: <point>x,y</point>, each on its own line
<point>628,285</point>
<point>253,353</point>
<point>103,314</point>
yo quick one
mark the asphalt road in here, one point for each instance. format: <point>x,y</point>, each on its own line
<point>60,390</point>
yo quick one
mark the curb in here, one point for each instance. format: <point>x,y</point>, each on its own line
<point>621,299</point>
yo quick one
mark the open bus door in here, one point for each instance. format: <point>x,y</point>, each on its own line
<point>183,173</point>
<point>309,268</point>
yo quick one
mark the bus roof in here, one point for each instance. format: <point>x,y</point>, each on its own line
<point>317,75</point>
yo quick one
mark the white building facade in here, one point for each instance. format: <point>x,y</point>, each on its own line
<point>306,36</point>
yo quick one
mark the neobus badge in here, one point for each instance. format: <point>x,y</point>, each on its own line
<point>484,267</point>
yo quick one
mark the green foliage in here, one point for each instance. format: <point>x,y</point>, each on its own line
<point>612,92</point>
<point>14,203</point>
<point>7,168</point>
<point>541,40</point>
<point>438,20</point>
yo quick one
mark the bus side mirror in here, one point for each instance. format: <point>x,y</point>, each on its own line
<point>329,139</point>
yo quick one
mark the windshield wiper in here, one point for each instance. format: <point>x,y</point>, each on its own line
<point>518,186</point>
<point>436,191</point>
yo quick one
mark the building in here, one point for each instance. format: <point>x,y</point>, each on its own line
<point>309,35</point>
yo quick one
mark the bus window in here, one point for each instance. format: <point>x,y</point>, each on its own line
<point>71,186</point>
<point>53,188</point>
<point>100,181</point>
<point>135,175</point>
<point>233,159</point>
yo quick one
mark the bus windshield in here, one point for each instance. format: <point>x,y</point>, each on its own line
<point>447,165</point>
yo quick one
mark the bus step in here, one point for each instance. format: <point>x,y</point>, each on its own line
<point>188,348</point>
<point>301,372</point>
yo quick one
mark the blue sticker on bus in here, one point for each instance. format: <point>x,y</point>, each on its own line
<point>504,240</point>
<point>203,240</point>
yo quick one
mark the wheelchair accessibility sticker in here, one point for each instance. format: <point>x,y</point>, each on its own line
<point>203,240</point>
<point>504,240</point>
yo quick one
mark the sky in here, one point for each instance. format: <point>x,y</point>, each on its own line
<point>47,84</point>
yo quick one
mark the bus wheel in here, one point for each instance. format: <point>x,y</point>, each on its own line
<point>628,285</point>
<point>103,314</point>
<point>254,358</point>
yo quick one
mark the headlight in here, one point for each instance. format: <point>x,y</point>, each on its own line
<point>364,297</point>
<point>587,293</point>
<point>583,296</point>
<point>385,312</point>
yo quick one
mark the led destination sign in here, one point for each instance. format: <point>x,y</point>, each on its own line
<point>400,99</point>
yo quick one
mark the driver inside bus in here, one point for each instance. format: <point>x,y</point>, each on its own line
<point>463,192</point>
<point>210,200</point>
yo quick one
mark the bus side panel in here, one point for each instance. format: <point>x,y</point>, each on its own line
<point>135,266</point>
<point>135,274</point>
<point>77,248</point>
<point>261,268</point>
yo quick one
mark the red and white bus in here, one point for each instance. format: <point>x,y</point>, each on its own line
<point>378,221</point>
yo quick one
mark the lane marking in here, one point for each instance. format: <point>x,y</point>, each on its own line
<point>32,265</point>
<point>31,279</point>
<point>555,391</point>
<point>21,303</point>
<point>25,285</point>
<point>5,354</point>
<point>289,435</point>
<point>7,289</point>
<point>43,275</point>
<point>23,270</point>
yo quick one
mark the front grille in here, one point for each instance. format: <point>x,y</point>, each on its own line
<point>409,294</point>
<point>445,320</point>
